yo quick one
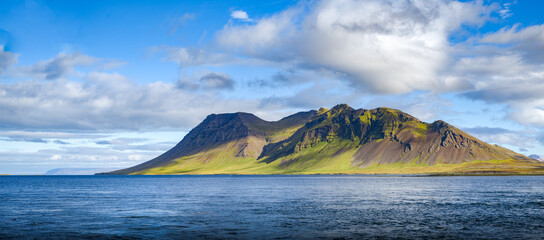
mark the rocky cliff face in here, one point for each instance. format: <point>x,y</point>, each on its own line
<point>377,136</point>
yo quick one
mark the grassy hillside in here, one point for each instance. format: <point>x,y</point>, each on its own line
<point>341,140</point>
<point>328,159</point>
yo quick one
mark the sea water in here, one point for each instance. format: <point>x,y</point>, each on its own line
<point>271,207</point>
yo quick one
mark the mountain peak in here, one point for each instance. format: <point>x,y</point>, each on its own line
<point>341,106</point>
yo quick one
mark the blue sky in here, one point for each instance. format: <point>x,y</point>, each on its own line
<point>109,84</point>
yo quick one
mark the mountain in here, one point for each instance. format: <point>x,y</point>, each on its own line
<point>227,136</point>
<point>536,157</point>
<point>339,140</point>
<point>76,171</point>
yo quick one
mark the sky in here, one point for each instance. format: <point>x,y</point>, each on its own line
<point>110,84</point>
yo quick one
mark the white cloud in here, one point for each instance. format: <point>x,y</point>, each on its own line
<point>508,69</point>
<point>240,15</point>
<point>505,12</point>
<point>529,112</point>
<point>521,139</point>
<point>60,66</point>
<point>55,157</point>
<point>488,66</point>
<point>527,42</point>
<point>391,47</point>
<point>268,38</point>
<point>508,138</point>
<point>386,46</point>
<point>110,101</point>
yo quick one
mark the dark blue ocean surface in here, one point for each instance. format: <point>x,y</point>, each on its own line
<point>266,207</point>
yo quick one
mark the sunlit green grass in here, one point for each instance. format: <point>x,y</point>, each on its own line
<point>328,158</point>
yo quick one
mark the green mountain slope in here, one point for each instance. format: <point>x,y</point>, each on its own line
<point>339,140</point>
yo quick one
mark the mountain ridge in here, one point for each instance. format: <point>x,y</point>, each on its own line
<point>339,140</point>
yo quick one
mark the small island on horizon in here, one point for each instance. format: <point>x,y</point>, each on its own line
<point>342,140</point>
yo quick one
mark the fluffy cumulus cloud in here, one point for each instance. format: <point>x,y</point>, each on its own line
<point>397,47</point>
<point>384,46</point>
